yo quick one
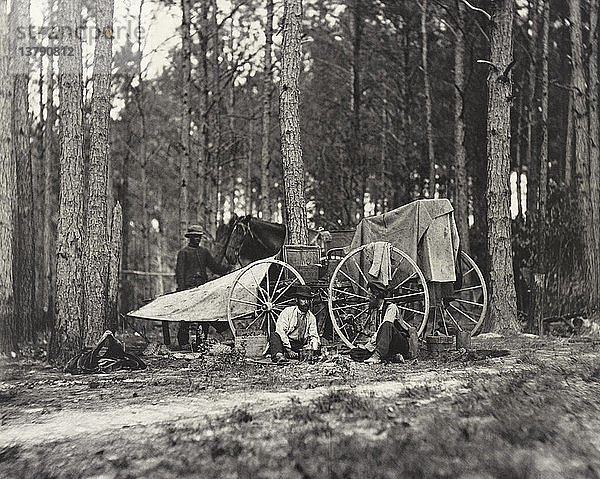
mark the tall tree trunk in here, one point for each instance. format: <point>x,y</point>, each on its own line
<point>39,314</point>
<point>142,153</point>
<point>462,184</point>
<point>116,230</point>
<point>216,157</point>
<point>9,336</point>
<point>124,198</point>
<point>249,168</point>
<point>186,118</point>
<point>198,207</point>
<point>96,253</point>
<point>503,305</point>
<point>531,157</point>
<point>199,152</point>
<point>427,91</point>
<point>204,186</point>
<point>24,252</point>
<point>160,246</point>
<point>356,143</point>
<point>381,197</point>
<point>540,280</point>
<point>568,172</point>
<point>145,227</point>
<point>518,160</point>
<point>401,186</point>
<point>594,136</point>
<point>50,200</point>
<point>265,184</point>
<point>67,340</point>
<point>289,100</point>
<point>233,150</point>
<point>580,124</point>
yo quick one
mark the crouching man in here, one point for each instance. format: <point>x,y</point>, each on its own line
<point>390,342</point>
<point>295,335</point>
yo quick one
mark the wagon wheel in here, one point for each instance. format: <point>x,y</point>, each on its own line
<point>353,318</point>
<point>463,309</point>
<point>255,300</point>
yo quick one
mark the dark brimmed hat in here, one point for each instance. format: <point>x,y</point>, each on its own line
<point>303,291</point>
<point>194,230</point>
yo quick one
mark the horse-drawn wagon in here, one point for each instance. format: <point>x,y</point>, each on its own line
<point>413,252</point>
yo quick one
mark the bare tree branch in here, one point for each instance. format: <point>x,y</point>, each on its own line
<point>487,62</point>
<point>476,9</point>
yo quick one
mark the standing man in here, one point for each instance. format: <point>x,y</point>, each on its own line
<point>296,330</point>
<point>192,261</point>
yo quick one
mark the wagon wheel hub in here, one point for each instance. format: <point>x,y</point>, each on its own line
<point>268,306</point>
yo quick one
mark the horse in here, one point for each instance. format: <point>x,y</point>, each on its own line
<point>246,239</point>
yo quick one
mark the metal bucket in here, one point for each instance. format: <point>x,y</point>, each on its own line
<point>463,340</point>
<point>438,344</point>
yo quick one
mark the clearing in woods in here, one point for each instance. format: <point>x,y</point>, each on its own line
<point>532,413</point>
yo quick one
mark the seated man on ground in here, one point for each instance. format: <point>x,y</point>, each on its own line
<point>391,339</point>
<point>296,330</point>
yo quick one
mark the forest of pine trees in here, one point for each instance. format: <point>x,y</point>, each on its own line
<point>313,113</point>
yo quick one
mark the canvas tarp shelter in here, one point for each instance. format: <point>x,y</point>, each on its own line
<point>207,302</point>
<point>423,229</point>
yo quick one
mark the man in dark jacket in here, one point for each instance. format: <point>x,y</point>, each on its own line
<point>391,338</point>
<point>192,261</point>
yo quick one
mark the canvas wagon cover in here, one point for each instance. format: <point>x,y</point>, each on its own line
<point>424,229</point>
<point>207,302</point>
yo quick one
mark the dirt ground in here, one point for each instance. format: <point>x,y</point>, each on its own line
<point>531,412</point>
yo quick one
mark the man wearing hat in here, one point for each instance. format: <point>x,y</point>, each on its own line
<point>192,261</point>
<point>296,330</point>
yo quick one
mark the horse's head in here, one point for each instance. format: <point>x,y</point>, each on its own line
<point>238,230</point>
<point>222,239</point>
<point>246,239</point>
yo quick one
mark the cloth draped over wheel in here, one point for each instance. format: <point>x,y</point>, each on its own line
<point>423,229</point>
<point>207,302</point>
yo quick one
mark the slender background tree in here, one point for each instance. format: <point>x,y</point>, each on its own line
<point>265,181</point>
<point>503,306</point>
<point>289,104</point>
<point>67,332</point>
<point>9,333</point>
<point>96,252</point>
<point>24,249</point>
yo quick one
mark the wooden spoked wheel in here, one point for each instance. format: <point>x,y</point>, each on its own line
<point>464,308</point>
<point>256,299</point>
<point>354,313</point>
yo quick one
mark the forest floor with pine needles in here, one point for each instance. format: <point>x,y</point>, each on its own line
<point>533,413</point>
